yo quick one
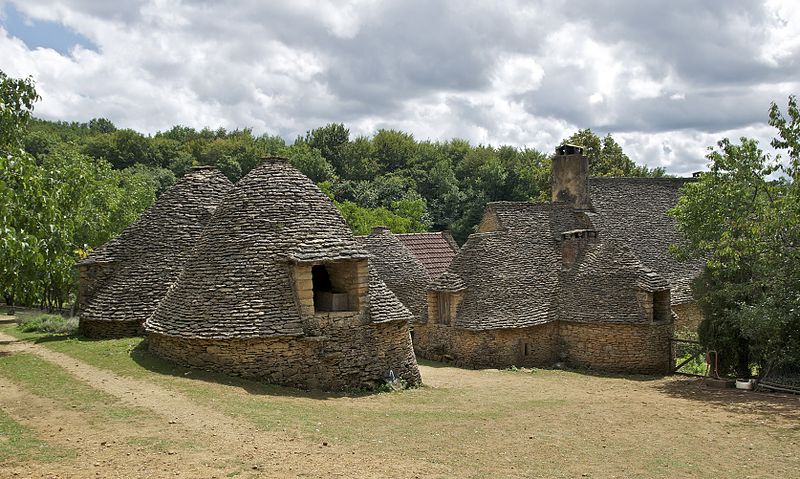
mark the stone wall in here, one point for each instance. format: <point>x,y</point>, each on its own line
<point>689,317</point>
<point>109,329</point>
<point>637,348</point>
<point>348,357</point>
<point>532,346</point>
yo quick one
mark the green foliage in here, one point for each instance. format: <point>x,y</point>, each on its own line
<point>606,157</point>
<point>310,161</point>
<point>404,216</point>
<point>17,97</point>
<point>747,226</point>
<point>55,207</point>
<point>331,141</point>
<point>47,323</point>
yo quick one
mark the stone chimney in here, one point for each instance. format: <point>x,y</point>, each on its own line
<point>570,177</point>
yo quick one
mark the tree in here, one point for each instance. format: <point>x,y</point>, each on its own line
<point>393,149</point>
<point>310,162</point>
<point>56,206</point>
<point>746,224</point>
<point>606,157</point>
<point>331,140</point>
<point>17,97</point>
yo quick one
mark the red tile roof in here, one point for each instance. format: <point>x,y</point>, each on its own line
<point>434,250</point>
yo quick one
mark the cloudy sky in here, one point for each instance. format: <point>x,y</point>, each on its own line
<point>666,78</point>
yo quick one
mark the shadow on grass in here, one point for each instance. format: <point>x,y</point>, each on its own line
<point>433,364</point>
<point>141,356</point>
<point>565,367</point>
<point>735,400</point>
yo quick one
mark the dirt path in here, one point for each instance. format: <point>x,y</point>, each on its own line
<point>251,453</point>
<point>172,405</point>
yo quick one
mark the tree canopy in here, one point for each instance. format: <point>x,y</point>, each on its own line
<point>743,217</point>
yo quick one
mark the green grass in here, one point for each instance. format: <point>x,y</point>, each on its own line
<point>45,379</point>
<point>19,445</point>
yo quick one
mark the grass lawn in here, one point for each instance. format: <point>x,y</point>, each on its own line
<point>47,380</point>
<point>490,423</point>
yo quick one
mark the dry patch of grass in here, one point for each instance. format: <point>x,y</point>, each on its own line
<point>18,444</point>
<point>491,423</point>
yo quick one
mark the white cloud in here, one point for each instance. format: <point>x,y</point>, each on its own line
<point>666,81</point>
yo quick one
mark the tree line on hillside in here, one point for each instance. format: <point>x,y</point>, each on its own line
<point>389,178</point>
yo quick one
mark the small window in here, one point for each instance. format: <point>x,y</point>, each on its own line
<point>330,291</point>
<point>526,349</point>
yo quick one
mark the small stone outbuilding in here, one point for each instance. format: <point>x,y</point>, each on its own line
<point>122,282</point>
<point>278,288</point>
<point>541,283</point>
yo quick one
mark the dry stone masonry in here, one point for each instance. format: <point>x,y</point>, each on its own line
<point>122,282</point>
<point>585,279</point>
<point>278,288</point>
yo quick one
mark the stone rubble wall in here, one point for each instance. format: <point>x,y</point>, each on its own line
<point>633,348</point>
<point>99,329</point>
<point>497,348</point>
<point>352,356</point>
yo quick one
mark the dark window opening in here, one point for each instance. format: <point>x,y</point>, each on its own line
<point>526,349</point>
<point>328,297</point>
<point>321,279</point>
<point>661,306</point>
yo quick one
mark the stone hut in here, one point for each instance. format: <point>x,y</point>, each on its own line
<point>634,211</point>
<point>408,262</point>
<point>540,283</point>
<point>122,282</point>
<point>278,288</point>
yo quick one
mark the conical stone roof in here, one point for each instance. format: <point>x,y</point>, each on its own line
<point>239,282</point>
<point>147,257</point>
<point>403,273</point>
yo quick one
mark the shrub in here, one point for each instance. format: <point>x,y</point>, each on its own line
<point>48,323</point>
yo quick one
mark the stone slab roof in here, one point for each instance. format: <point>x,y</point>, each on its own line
<point>401,270</point>
<point>603,286</point>
<point>434,250</point>
<point>238,283</point>
<point>633,211</point>
<point>449,283</point>
<point>149,254</point>
<point>512,272</point>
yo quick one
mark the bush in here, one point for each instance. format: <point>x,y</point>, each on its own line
<point>48,323</point>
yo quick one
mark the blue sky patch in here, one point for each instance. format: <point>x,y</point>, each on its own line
<point>40,33</point>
